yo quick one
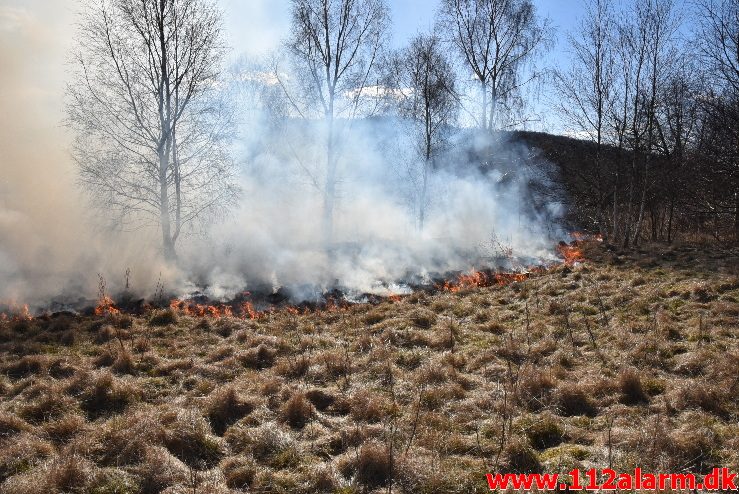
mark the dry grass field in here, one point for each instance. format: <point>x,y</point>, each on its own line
<point>630,359</point>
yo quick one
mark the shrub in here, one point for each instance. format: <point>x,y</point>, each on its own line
<point>374,465</point>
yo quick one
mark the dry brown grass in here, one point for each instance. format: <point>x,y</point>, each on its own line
<point>424,395</point>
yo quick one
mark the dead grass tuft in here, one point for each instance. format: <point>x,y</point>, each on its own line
<point>26,366</point>
<point>21,453</point>
<point>69,474</point>
<point>293,367</point>
<point>570,399</point>
<point>65,428</point>
<point>423,319</point>
<point>11,424</point>
<point>366,406</point>
<point>632,391</point>
<point>124,363</point>
<point>520,458</point>
<point>261,357</point>
<point>320,398</point>
<point>311,402</point>
<point>297,411</point>
<point>159,470</point>
<point>101,393</point>
<point>49,405</point>
<point>225,407</point>
<point>239,472</point>
<point>164,318</point>
<point>374,465</point>
<point>188,436</point>
<point>534,388</point>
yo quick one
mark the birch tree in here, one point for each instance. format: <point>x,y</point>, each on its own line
<point>495,39</point>
<point>718,42</point>
<point>152,135</point>
<point>425,86</point>
<point>586,90</point>
<point>334,46</point>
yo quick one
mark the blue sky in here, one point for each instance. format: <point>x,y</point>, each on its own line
<point>257,25</point>
<point>45,28</point>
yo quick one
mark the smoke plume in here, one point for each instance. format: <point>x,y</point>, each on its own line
<point>51,249</point>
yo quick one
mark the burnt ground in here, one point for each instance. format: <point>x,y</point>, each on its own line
<point>631,358</point>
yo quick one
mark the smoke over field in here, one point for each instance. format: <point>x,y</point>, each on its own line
<point>54,246</point>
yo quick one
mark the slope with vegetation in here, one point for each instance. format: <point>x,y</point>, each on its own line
<point>630,359</point>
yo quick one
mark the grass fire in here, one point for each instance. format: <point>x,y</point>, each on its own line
<point>365,247</point>
<point>565,367</point>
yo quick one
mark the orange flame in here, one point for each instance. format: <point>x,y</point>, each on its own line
<point>16,313</point>
<point>106,306</point>
<point>482,279</point>
<point>582,236</point>
<point>572,253</point>
<point>248,310</point>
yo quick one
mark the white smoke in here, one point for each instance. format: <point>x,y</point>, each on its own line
<point>50,247</point>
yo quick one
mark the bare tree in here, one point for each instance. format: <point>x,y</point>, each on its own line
<point>334,46</point>
<point>718,40</point>
<point>495,39</point>
<point>646,48</point>
<point>657,25</point>
<point>586,89</point>
<point>678,127</point>
<point>424,79</point>
<point>152,135</point>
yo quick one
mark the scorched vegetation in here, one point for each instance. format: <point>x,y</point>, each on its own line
<point>628,359</point>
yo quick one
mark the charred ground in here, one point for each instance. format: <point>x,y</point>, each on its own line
<point>631,359</point>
